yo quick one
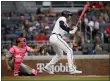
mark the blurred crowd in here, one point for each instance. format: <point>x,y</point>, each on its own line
<point>28,23</point>
<point>37,27</point>
<point>96,25</point>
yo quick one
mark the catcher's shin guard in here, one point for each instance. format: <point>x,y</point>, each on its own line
<point>17,61</point>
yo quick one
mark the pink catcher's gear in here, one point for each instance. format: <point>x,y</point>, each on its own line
<point>34,72</point>
<point>21,40</point>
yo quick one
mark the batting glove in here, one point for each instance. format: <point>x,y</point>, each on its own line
<point>74,30</point>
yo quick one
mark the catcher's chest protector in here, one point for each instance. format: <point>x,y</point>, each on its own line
<point>19,54</point>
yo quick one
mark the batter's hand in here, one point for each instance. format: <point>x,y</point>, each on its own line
<point>75,28</point>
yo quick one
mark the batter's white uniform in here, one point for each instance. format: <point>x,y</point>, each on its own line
<point>59,45</point>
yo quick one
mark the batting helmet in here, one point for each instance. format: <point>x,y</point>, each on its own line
<point>66,13</point>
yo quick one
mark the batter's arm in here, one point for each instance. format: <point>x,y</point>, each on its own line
<point>64,26</point>
<point>67,29</point>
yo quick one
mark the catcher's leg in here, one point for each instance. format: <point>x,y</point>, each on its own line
<point>11,63</point>
<point>26,70</point>
<point>17,62</point>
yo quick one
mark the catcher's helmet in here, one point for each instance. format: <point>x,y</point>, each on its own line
<point>66,13</point>
<point>21,40</point>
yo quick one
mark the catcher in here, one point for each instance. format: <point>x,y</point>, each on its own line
<point>15,56</point>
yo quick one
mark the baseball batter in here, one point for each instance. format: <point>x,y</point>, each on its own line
<point>59,45</point>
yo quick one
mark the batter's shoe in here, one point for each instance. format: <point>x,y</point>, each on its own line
<point>48,71</point>
<point>75,71</point>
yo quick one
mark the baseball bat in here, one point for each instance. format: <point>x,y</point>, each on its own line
<point>84,10</point>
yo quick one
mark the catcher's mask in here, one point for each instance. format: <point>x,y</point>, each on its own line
<point>21,40</point>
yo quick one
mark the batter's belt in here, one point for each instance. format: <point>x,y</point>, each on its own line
<point>57,34</point>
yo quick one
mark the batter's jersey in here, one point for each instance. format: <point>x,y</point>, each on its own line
<point>57,29</point>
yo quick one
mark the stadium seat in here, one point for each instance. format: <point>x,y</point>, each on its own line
<point>102,27</point>
<point>104,46</point>
<point>101,52</point>
<point>77,53</point>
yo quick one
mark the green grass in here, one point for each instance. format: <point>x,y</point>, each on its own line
<point>55,78</point>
